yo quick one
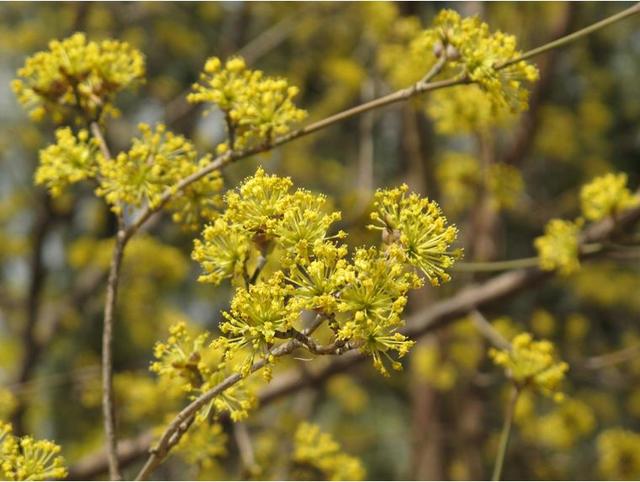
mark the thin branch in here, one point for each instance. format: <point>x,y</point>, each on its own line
<point>506,432</point>
<point>613,358</point>
<point>108,401</point>
<point>488,331</point>
<point>97,133</point>
<point>561,42</point>
<point>489,266</point>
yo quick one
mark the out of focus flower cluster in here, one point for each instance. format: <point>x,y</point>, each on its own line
<point>532,364</point>
<point>256,107</point>
<point>619,454</point>
<point>559,247</point>
<point>24,458</point>
<point>461,178</point>
<point>77,79</point>
<point>319,450</point>
<point>607,195</point>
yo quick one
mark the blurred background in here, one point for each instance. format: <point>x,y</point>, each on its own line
<point>438,419</point>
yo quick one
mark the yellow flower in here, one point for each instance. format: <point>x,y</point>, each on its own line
<point>619,454</point>
<point>201,365</point>
<point>319,280</point>
<point>419,227</point>
<point>259,203</point>
<point>532,364</point>
<point>319,450</point>
<point>156,162</point>
<point>23,458</point>
<point>472,51</point>
<point>558,249</point>
<point>607,195</point>
<point>77,79</point>
<point>71,159</point>
<point>256,107</point>
<point>257,315</point>
<point>223,252</point>
<point>374,298</point>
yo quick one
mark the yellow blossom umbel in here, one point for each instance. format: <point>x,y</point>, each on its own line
<point>473,52</point>
<point>318,450</point>
<point>259,203</point>
<point>419,227</point>
<point>76,79</point>
<point>374,298</point>
<point>257,315</point>
<point>23,458</point>
<point>201,365</point>
<point>71,159</point>
<point>256,107</point>
<point>156,162</point>
<point>319,279</point>
<point>532,364</point>
<point>619,454</point>
<point>558,249</point>
<point>607,195</point>
<point>223,252</point>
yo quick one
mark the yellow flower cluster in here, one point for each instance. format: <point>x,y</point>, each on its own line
<point>558,249</point>
<point>607,195</point>
<point>418,226</point>
<point>257,315</point>
<point>155,163</point>
<point>261,212</point>
<point>23,458</point>
<point>308,270</point>
<point>480,54</point>
<point>76,79</point>
<point>561,428</point>
<point>461,178</point>
<point>472,51</point>
<point>465,109</point>
<point>223,252</point>
<point>256,107</point>
<point>532,364</point>
<point>374,297</point>
<point>319,278</point>
<point>619,454</point>
<point>318,450</point>
<point>505,184</point>
<point>203,446</point>
<point>201,365</point>
<point>71,159</point>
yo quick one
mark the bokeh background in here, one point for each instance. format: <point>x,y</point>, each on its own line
<point>440,417</point>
